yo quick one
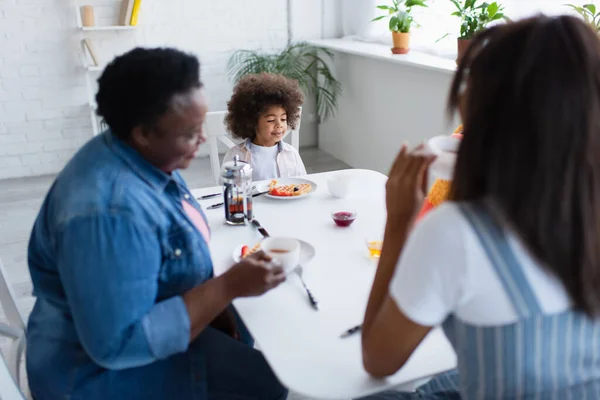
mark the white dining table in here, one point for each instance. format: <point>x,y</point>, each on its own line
<point>302,345</point>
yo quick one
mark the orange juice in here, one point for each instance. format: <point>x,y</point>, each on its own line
<point>374,247</point>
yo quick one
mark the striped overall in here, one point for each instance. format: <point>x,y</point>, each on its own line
<point>538,357</point>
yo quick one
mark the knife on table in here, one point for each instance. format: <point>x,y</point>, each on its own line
<point>259,227</point>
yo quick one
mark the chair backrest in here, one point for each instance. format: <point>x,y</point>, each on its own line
<point>9,390</point>
<point>15,329</point>
<point>216,132</point>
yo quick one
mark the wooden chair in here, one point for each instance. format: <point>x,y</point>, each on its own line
<point>217,133</point>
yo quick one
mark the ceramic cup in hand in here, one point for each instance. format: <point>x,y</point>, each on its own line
<point>445,148</point>
<point>283,251</point>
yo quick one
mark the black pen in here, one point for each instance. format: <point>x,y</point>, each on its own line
<point>351,331</point>
<point>208,196</point>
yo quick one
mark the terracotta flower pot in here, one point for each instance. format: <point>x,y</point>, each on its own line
<point>401,42</point>
<point>463,45</point>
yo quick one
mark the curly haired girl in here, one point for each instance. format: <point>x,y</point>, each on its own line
<point>260,111</point>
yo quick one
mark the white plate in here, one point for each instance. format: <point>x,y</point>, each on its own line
<point>307,253</point>
<point>288,181</point>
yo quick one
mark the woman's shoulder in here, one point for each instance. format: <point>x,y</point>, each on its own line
<point>450,229</point>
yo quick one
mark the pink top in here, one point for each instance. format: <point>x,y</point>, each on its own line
<point>197,219</point>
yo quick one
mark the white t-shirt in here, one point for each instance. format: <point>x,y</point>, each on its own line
<point>264,162</point>
<point>444,270</point>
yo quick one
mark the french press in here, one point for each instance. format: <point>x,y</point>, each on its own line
<point>237,187</point>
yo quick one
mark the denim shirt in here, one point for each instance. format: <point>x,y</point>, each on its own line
<point>110,255</point>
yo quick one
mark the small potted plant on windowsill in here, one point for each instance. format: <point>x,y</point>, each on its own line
<point>474,18</point>
<point>401,20</point>
<point>589,15</point>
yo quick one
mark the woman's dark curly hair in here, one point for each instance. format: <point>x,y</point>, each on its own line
<point>532,139</point>
<point>137,87</point>
<point>254,94</point>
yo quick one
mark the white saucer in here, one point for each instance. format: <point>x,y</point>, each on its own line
<point>307,253</point>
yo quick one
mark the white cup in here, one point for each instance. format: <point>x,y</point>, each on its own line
<point>339,185</point>
<point>283,251</point>
<point>445,148</point>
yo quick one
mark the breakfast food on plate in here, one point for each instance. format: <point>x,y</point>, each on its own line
<point>246,251</point>
<point>288,190</point>
<point>441,188</point>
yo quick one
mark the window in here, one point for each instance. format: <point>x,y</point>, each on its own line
<point>435,22</point>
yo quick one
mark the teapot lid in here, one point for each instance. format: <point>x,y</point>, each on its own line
<point>236,168</point>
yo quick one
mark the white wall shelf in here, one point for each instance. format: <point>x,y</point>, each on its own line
<point>99,28</point>
<point>107,28</point>
<point>91,71</point>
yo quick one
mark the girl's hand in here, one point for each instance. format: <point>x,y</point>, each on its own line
<point>406,186</point>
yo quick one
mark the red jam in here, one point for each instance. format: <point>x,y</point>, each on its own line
<point>343,218</point>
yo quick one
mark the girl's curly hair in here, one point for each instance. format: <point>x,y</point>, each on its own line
<point>253,94</point>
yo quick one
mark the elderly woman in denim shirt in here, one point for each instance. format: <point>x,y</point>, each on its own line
<point>127,304</point>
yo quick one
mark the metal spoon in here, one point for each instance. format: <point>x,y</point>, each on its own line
<point>311,298</point>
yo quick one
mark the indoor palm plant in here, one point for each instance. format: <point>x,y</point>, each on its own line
<point>589,14</point>
<point>400,22</point>
<point>474,18</point>
<point>302,62</point>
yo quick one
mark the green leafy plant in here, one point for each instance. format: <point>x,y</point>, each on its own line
<point>476,17</point>
<point>589,14</point>
<point>302,62</point>
<point>399,14</point>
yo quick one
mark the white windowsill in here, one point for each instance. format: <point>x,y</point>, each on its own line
<point>383,52</point>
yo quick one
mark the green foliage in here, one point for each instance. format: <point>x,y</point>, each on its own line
<point>476,17</point>
<point>589,14</point>
<point>302,62</point>
<point>399,14</point>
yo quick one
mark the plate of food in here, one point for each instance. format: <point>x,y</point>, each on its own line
<point>289,188</point>
<point>307,252</point>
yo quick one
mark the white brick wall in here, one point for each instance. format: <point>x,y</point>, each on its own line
<point>44,116</point>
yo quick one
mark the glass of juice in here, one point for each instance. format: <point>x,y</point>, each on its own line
<point>374,247</point>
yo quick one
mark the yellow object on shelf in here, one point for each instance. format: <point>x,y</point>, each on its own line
<point>135,14</point>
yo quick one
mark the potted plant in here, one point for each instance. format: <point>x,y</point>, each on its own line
<point>589,14</point>
<point>474,18</point>
<point>302,62</point>
<point>400,22</point>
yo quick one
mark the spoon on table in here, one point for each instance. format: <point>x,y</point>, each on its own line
<point>311,298</point>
